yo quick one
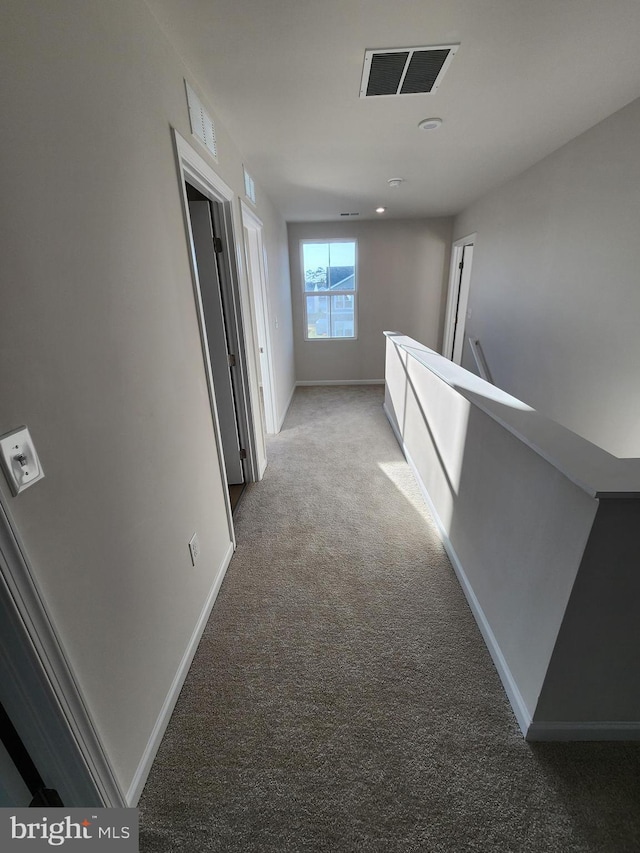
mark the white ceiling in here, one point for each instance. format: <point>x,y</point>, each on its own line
<point>284,77</point>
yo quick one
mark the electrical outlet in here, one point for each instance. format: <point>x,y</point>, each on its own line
<point>194,548</point>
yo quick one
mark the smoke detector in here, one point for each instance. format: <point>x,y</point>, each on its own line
<point>430,123</point>
<point>395,182</point>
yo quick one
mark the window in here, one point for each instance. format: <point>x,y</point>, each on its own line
<point>329,285</point>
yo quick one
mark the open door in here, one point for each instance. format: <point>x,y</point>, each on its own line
<point>221,349</point>
<point>458,299</point>
<point>20,781</point>
<point>257,275</point>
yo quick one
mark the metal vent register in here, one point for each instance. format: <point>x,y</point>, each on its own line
<point>405,71</point>
<point>202,126</point>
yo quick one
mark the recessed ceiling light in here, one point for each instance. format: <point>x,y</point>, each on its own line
<point>395,182</point>
<point>380,209</point>
<point>430,123</point>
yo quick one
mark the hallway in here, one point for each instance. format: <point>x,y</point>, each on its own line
<point>342,698</point>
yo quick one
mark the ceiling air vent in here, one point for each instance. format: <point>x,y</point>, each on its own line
<point>202,126</point>
<point>406,70</point>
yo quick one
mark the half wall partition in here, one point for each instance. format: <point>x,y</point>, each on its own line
<point>541,528</point>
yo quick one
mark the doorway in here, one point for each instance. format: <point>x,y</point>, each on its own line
<point>219,318</point>
<point>257,275</point>
<point>217,221</point>
<point>218,252</point>
<point>458,298</point>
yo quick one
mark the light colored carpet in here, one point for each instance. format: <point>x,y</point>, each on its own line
<point>342,698</point>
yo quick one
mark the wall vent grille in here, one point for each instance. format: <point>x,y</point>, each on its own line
<point>249,186</point>
<point>405,71</point>
<point>202,126</point>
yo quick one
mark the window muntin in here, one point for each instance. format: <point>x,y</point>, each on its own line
<point>329,277</point>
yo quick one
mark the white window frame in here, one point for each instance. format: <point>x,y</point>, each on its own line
<point>329,293</point>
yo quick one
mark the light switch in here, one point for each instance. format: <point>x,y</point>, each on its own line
<point>19,460</point>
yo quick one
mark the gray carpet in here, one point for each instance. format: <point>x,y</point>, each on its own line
<point>342,698</point>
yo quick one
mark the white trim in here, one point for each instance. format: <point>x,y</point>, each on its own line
<point>153,744</point>
<point>63,732</point>
<point>200,172</point>
<point>251,223</point>
<point>201,169</point>
<point>513,693</point>
<point>192,167</point>
<point>454,300</point>
<point>566,731</point>
<point>197,171</point>
<point>237,288</point>
<point>287,407</point>
<point>302,382</point>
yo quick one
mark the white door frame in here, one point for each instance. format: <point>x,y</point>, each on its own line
<point>196,171</point>
<point>219,337</point>
<point>39,690</point>
<point>257,272</point>
<point>457,299</point>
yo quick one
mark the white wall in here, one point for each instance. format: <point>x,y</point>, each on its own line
<point>546,556</point>
<point>554,299</point>
<point>402,273</point>
<point>99,348</point>
<point>280,312</point>
<point>515,526</point>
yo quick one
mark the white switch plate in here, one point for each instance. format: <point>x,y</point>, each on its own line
<point>19,460</point>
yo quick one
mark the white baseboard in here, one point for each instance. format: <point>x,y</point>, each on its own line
<point>565,731</point>
<point>302,382</point>
<point>140,776</point>
<point>520,710</point>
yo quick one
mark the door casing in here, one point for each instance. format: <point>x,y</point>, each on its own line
<point>458,298</point>
<point>258,276</point>
<point>221,350</point>
<point>194,170</point>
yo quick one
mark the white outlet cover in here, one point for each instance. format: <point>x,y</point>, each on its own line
<point>19,460</point>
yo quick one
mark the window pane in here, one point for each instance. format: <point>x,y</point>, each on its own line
<point>329,266</point>
<point>315,263</point>
<point>317,316</point>
<point>342,266</point>
<point>342,316</point>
